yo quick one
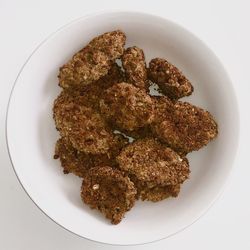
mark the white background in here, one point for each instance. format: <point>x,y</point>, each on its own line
<point>223,25</point>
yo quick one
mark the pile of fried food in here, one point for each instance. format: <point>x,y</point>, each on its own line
<point>102,106</point>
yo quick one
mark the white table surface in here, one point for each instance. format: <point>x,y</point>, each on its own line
<point>223,25</point>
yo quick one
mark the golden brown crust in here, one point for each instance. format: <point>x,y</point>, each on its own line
<point>133,62</point>
<point>164,108</point>
<point>184,127</point>
<point>81,125</point>
<point>109,191</point>
<point>127,107</point>
<point>155,193</point>
<point>159,193</point>
<point>93,61</point>
<point>72,160</point>
<point>78,163</point>
<point>91,94</point>
<point>169,78</point>
<point>153,163</point>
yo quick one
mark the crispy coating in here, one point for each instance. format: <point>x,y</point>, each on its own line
<point>91,94</point>
<point>159,193</point>
<point>169,78</point>
<point>78,163</point>
<point>85,128</point>
<point>133,62</point>
<point>184,127</point>
<point>152,163</point>
<point>127,106</point>
<point>74,161</point>
<point>109,191</point>
<point>95,91</point>
<point>93,61</point>
<point>155,193</point>
<point>164,108</point>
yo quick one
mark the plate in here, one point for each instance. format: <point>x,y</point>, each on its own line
<point>31,133</point>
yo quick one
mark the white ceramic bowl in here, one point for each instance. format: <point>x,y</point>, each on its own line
<point>31,133</point>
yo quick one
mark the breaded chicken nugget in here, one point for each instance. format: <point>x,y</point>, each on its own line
<point>169,78</point>
<point>152,163</point>
<point>85,128</point>
<point>109,191</point>
<point>184,128</point>
<point>78,163</point>
<point>93,61</point>
<point>127,106</point>
<point>72,160</point>
<point>133,62</point>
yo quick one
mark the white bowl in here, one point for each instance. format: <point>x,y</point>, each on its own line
<point>31,133</point>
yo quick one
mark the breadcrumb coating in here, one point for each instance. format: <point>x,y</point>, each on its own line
<point>109,191</point>
<point>133,62</point>
<point>127,106</point>
<point>155,193</point>
<point>164,108</point>
<point>159,193</point>
<point>85,128</point>
<point>93,61</point>
<point>153,163</point>
<point>170,79</point>
<point>184,127</point>
<point>78,163</point>
<point>91,94</point>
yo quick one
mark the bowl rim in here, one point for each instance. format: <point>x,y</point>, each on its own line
<point>128,12</point>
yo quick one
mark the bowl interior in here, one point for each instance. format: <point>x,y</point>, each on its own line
<point>31,132</point>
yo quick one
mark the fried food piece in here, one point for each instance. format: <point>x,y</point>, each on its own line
<point>91,94</point>
<point>78,163</point>
<point>72,160</point>
<point>133,62</point>
<point>93,61</point>
<point>127,106</point>
<point>184,127</point>
<point>109,191</point>
<point>152,163</point>
<point>169,78</point>
<point>85,128</point>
